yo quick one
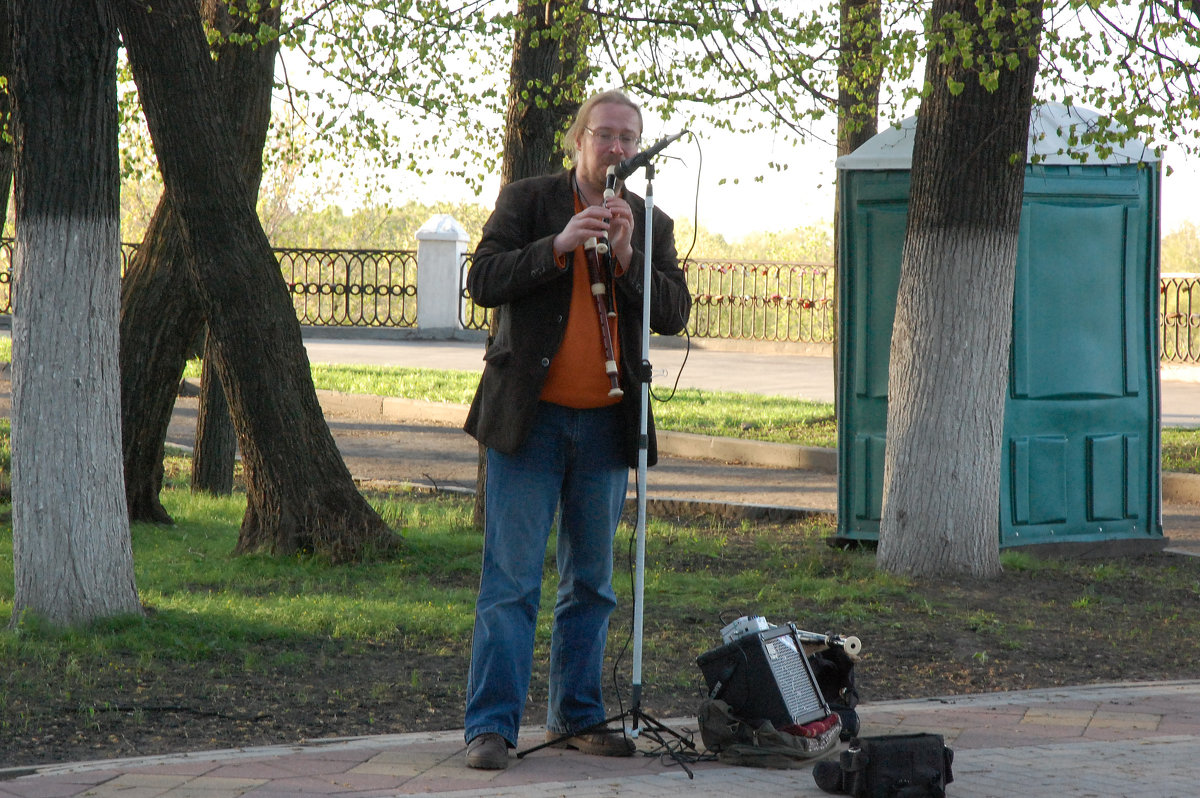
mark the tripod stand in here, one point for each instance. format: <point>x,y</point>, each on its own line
<point>639,721</point>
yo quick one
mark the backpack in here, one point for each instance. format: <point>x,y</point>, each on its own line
<point>757,743</point>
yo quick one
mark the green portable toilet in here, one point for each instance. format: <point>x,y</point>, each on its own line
<point>1081,459</point>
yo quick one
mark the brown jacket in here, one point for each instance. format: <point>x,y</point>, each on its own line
<point>514,272</point>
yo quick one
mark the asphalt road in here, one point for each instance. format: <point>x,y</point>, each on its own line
<point>440,455</point>
<point>762,371</point>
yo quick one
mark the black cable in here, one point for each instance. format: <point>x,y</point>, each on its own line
<point>687,350</point>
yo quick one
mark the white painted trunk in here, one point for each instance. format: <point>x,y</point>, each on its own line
<point>947,378</point>
<point>73,559</point>
<point>948,373</point>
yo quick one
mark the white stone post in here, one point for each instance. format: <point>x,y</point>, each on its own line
<point>441,244</point>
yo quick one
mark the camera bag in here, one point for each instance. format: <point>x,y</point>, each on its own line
<point>890,766</point>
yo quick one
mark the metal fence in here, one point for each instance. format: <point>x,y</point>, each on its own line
<point>741,300</point>
<point>1179,318</point>
<point>352,287</point>
<point>470,315</point>
<point>761,300</point>
<point>329,287</point>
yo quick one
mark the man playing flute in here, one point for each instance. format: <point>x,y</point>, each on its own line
<point>559,441</point>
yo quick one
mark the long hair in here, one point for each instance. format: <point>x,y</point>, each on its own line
<point>615,96</point>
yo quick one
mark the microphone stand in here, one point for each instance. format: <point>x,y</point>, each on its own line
<point>639,578</point>
<point>653,727</point>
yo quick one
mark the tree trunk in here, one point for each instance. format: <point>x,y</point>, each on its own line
<point>216,443</point>
<point>6,69</point>
<point>860,29</point>
<point>160,311</point>
<point>543,89</point>
<point>300,495</point>
<point>544,95</point>
<point>160,318</point>
<point>246,75</point>
<point>858,76</point>
<point>72,557</point>
<point>950,341</point>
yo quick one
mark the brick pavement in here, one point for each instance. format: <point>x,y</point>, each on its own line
<point>1108,741</point>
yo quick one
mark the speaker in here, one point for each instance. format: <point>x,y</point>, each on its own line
<point>765,675</point>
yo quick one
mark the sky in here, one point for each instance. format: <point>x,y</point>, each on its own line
<point>804,194</point>
<point>739,194</point>
<point>728,175</point>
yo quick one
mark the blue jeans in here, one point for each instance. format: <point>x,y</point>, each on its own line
<point>572,463</point>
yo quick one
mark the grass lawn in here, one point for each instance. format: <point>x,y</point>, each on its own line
<point>257,650</point>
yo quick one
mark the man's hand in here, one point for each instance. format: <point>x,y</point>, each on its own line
<point>614,222</point>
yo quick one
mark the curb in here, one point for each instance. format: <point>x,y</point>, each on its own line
<point>736,450</point>
<point>674,444</point>
<point>1179,487</point>
<point>1176,487</point>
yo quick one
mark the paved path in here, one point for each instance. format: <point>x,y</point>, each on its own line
<point>1138,740</point>
<point>734,479</point>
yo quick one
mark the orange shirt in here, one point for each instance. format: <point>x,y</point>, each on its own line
<point>576,377</point>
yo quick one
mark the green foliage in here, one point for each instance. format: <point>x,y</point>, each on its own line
<point>139,198</point>
<point>812,243</point>
<point>1181,250</point>
<point>1133,62</point>
<point>1181,450</point>
<point>395,85</point>
<point>395,226</point>
<point>381,89</point>
<point>368,228</point>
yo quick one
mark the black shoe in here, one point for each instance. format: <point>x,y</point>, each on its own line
<point>488,752</point>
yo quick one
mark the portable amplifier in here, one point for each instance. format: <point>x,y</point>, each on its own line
<point>765,675</point>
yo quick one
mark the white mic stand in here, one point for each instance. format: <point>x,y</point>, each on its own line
<point>653,727</point>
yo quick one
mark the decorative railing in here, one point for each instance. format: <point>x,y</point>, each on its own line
<point>329,287</point>
<point>1179,318</point>
<point>352,287</point>
<point>741,300</point>
<point>470,315</point>
<point>761,300</point>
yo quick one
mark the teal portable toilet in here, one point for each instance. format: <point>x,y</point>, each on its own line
<point>1081,459</point>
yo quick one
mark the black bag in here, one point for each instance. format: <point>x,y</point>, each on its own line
<point>834,671</point>
<point>891,766</point>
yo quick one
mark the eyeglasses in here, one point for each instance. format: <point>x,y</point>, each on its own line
<point>605,138</point>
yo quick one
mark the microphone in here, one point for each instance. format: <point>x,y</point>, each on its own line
<point>630,165</point>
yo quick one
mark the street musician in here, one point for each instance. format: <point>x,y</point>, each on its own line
<point>557,409</point>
